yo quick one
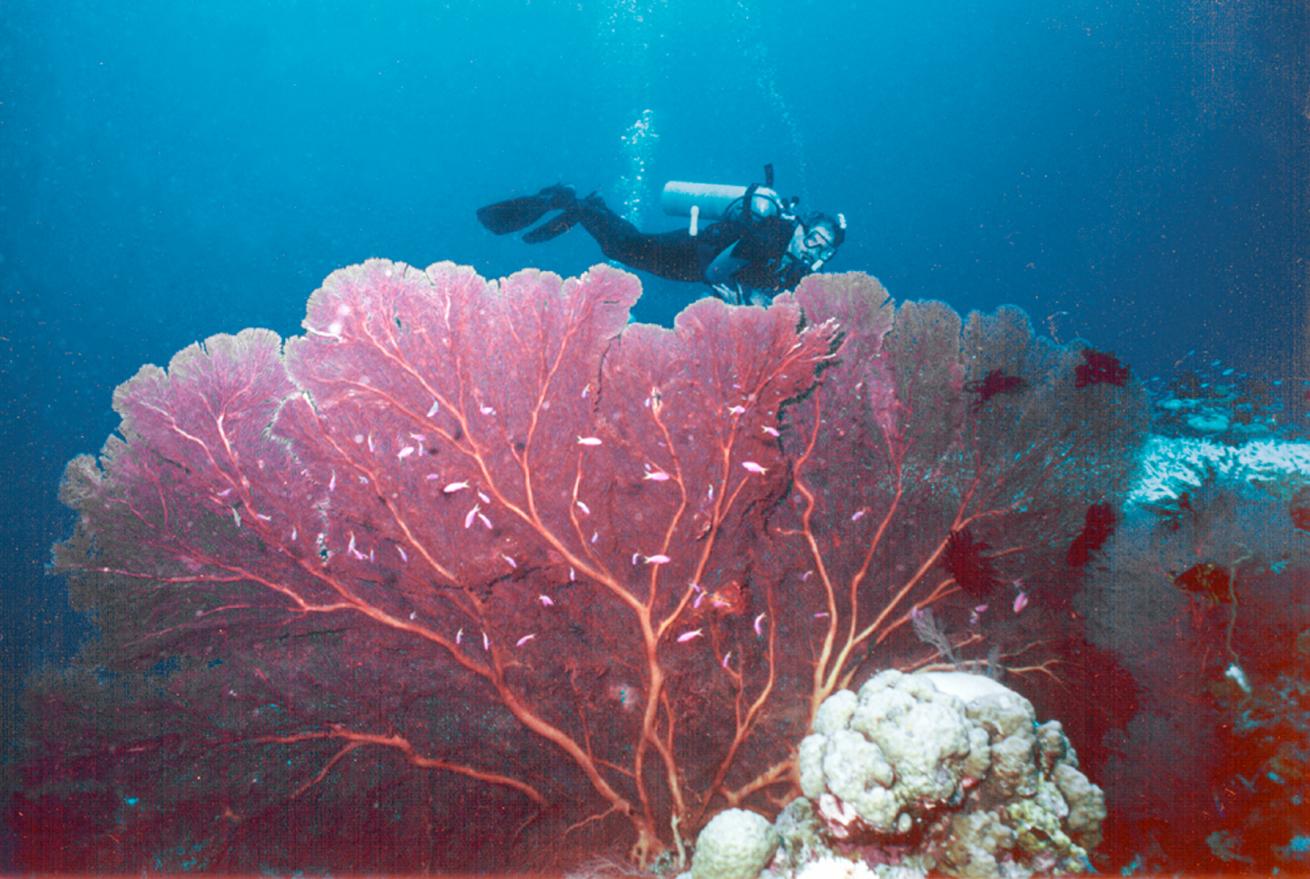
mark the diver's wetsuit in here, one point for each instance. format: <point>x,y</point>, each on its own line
<point>757,247</point>
<point>744,258</point>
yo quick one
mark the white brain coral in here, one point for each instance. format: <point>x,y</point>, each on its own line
<point>899,747</point>
<point>960,760</point>
<point>736,844</point>
<point>836,868</point>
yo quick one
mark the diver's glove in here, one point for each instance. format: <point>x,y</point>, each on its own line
<point>736,294</point>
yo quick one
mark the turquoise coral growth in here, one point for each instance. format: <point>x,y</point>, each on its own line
<point>1201,595</point>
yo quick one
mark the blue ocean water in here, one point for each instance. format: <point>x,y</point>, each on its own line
<point>1132,174</point>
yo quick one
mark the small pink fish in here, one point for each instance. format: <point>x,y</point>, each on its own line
<point>355,552</point>
<point>509,560</point>
<point>727,656</point>
<point>459,636</point>
<point>434,408</point>
<point>586,510</point>
<point>753,467</point>
<point>588,440</point>
<point>486,642</point>
<point>405,452</point>
<point>858,515</point>
<point>759,625</point>
<point>736,410</point>
<point>1020,602</point>
<point>470,515</point>
<point>771,431</point>
<point>525,639</point>
<point>404,556</point>
<point>658,559</point>
<point>656,476</point>
<point>452,487</point>
<point>546,600</point>
<point>691,636</point>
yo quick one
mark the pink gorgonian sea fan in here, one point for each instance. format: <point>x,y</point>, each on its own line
<point>480,574</point>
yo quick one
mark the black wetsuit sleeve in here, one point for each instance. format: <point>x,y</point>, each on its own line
<point>716,251</point>
<point>766,240</point>
<point>763,245</point>
<point>720,236</point>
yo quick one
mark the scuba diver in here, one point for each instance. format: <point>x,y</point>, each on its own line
<point>756,247</point>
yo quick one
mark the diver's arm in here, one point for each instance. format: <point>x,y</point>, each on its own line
<point>723,267</point>
<point>718,246</point>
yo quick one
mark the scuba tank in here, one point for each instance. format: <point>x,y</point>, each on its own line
<point>717,201</point>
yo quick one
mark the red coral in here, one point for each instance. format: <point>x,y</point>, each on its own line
<point>401,593</point>
<point>1300,510</point>
<point>974,572</point>
<point>1099,368</point>
<point>997,381</point>
<point>1207,580</point>
<point>1098,526</point>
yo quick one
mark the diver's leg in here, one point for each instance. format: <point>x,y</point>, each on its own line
<point>669,254</point>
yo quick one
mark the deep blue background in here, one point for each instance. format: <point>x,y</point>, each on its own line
<point>171,169</point>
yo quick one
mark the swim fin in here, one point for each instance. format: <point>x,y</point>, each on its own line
<point>554,227</point>
<point>514,214</point>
